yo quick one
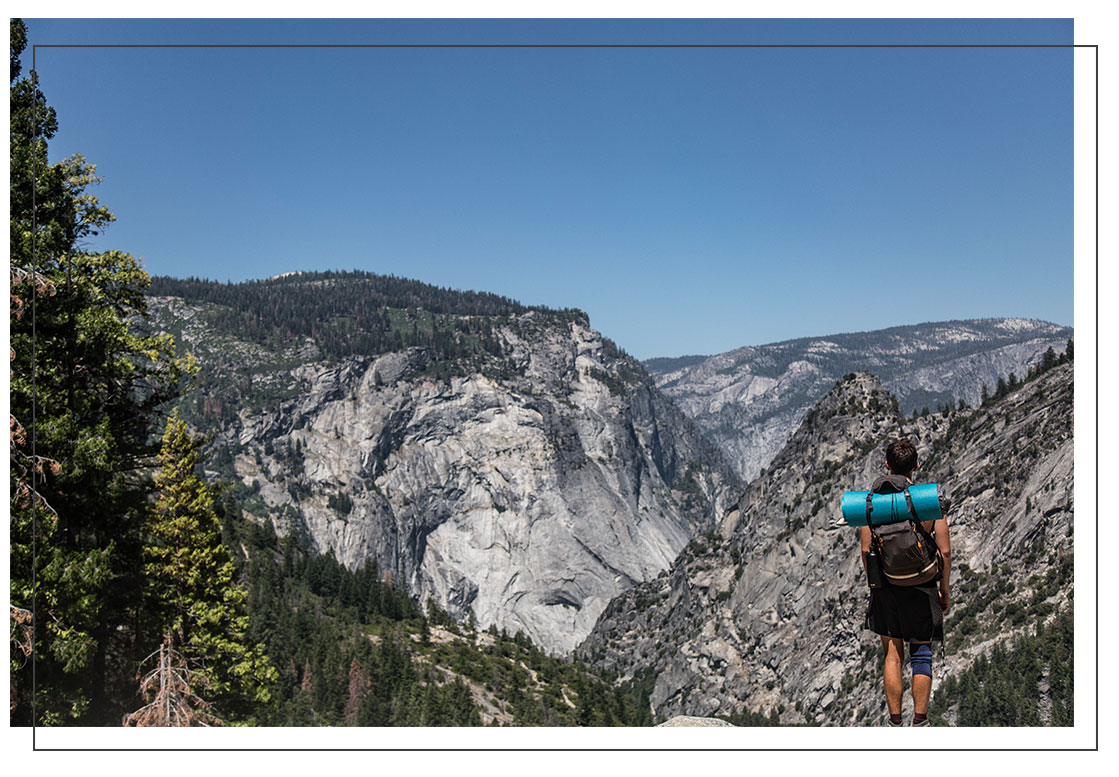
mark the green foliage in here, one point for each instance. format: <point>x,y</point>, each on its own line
<point>361,313</point>
<point>690,487</point>
<point>84,392</point>
<point>1049,360</point>
<point>189,583</point>
<point>752,719</point>
<point>1005,686</point>
<point>352,648</point>
<point>988,603</point>
<point>342,503</point>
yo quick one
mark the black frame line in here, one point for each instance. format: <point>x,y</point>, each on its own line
<point>1074,46</point>
<point>565,45</point>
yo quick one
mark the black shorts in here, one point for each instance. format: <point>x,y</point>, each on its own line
<point>911,613</point>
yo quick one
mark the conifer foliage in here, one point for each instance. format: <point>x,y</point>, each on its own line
<point>360,313</point>
<point>1028,683</point>
<point>191,597</point>
<point>1011,383</point>
<point>85,390</point>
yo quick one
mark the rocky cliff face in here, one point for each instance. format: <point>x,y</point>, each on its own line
<point>750,400</point>
<point>525,499</point>
<point>765,614</point>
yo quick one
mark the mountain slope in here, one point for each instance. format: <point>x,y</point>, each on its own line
<point>514,466</point>
<point>750,400</point>
<point>766,614</point>
<point>351,649</point>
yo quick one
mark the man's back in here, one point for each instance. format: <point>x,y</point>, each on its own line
<point>913,614</point>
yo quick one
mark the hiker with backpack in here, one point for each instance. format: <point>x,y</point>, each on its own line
<point>907,565</point>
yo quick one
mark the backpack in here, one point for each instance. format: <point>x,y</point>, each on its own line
<point>909,554</point>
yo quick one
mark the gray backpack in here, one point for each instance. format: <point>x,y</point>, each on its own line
<point>909,554</point>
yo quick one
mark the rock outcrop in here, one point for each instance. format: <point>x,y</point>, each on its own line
<point>525,497</point>
<point>750,400</point>
<point>765,614</point>
<point>687,721</point>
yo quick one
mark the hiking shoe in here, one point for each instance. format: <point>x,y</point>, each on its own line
<point>891,724</point>
<point>925,722</point>
<point>837,523</point>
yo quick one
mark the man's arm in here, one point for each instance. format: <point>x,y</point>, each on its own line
<point>864,541</point>
<point>945,545</point>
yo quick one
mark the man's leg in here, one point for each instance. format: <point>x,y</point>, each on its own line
<point>922,683</point>
<point>893,650</point>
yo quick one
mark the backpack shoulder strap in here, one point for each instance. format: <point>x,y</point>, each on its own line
<point>869,510</point>
<point>909,505</point>
<point>918,525</point>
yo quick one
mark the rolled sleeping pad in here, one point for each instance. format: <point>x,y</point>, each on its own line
<point>891,508</point>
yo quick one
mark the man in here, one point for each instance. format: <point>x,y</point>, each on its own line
<point>908,614</point>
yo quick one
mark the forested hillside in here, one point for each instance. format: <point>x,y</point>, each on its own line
<point>356,313</point>
<point>353,649</point>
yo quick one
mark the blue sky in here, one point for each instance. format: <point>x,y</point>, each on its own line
<point>691,200</point>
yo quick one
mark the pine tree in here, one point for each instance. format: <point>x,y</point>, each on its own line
<point>1049,359</point>
<point>85,388</point>
<point>358,690</point>
<point>189,586</point>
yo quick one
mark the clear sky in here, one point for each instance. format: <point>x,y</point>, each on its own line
<point>691,200</point>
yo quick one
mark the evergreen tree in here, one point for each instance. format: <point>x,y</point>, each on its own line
<point>1049,359</point>
<point>189,586</point>
<point>84,392</point>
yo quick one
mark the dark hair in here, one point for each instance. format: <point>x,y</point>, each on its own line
<point>901,456</point>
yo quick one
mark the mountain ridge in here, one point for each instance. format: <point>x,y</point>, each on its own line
<point>766,613</point>
<point>750,399</point>
<point>517,468</point>
<point>896,328</point>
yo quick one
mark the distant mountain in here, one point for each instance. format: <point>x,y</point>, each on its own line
<point>748,401</point>
<point>763,617</point>
<point>509,463</point>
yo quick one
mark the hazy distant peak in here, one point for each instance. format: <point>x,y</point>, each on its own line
<point>750,399</point>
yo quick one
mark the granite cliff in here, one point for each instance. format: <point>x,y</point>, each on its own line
<point>523,486</point>
<point>765,613</point>
<point>750,400</point>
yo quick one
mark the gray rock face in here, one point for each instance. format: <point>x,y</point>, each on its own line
<point>527,502</point>
<point>686,721</point>
<point>766,613</point>
<point>750,400</point>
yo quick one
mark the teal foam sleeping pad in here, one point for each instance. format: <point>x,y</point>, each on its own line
<point>890,508</point>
